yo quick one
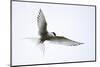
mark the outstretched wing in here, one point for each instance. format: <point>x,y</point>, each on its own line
<point>42,25</point>
<point>64,41</point>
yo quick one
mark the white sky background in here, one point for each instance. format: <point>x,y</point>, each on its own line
<point>74,22</point>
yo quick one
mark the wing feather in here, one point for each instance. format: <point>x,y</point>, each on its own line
<point>64,41</point>
<point>42,25</point>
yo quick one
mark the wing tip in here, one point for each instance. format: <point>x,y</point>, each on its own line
<point>77,44</point>
<point>40,10</point>
<point>39,13</point>
<point>81,43</point>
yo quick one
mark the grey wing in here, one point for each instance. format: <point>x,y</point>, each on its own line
<point>64,41</point>
<point>42,25</point>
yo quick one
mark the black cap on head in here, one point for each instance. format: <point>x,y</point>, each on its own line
<point>54,33</point>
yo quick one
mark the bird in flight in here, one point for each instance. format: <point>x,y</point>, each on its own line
<point>51,36</point>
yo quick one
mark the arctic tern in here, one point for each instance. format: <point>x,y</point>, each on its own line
<point>51,36</point>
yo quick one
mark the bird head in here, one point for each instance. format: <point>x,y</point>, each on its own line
<point>54,34</point>
<point>51,34</point>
